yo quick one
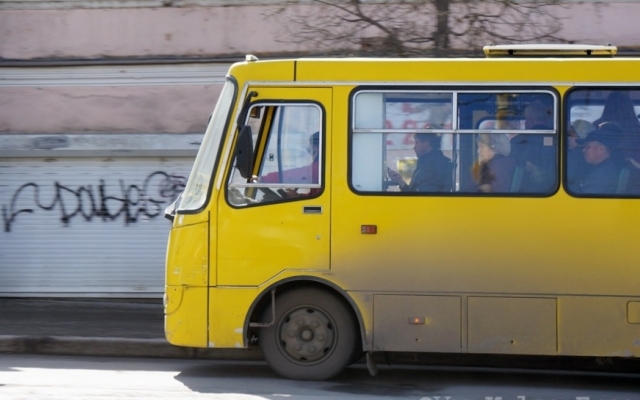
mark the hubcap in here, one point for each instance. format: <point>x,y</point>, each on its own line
<point>307,335</point>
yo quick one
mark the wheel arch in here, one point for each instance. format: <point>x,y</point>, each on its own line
<point>296,283</point>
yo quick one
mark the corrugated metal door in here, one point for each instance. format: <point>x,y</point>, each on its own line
<point>86,226</point>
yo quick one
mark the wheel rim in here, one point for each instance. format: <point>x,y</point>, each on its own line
<point>307,335</point>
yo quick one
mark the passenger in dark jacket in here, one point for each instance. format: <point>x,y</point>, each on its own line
<point>601,178</point>
<point>535,153</point>
<point>433,169</point>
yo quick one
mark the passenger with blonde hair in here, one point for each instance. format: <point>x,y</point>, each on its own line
<point>494,170</point>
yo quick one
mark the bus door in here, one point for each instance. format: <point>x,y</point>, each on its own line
<point>275,215</point>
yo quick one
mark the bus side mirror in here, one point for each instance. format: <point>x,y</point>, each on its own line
<point>244,152</point>
<point>170,211</point>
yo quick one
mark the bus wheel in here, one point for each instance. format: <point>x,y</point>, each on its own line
<point>313,335</point>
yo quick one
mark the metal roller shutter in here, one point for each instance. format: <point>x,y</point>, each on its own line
<point>86,226</point>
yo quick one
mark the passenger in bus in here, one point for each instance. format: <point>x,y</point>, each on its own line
<point>619,108</point>
<point>493,173</point>
<point>576,164</point>
<point>307,174</point>
<point>433,169</point>
<point>601,175</point>
<point>530,152</point>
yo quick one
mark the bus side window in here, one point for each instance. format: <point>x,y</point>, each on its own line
<point>237,193</point>
<point>603,142</point>
<point>535,153</point>
<point>419,142</point>
<point>401,142</point>
<point>288,157</point>
<point>518,140</point>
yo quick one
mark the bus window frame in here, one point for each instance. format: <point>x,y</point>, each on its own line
<point>567,104</point>
<point>261,146</point>
<point>218,157</point>
<point>456,89</point>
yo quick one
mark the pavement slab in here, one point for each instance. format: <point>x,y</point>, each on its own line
<point>95,327</point>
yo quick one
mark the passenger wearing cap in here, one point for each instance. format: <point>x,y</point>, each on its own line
<point>619,108</point>
<point>307,174</point>
<point>494,170</point>
<point>601,175</point>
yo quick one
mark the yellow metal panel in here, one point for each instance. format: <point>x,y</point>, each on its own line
<point>181,220</point>
<point>285,238</point>
<point>511,325</point>
<point>364,306</point>
<point>482,71</point>
<point>633,312</point>
<point>256,243</point>
<point>228,308</point>
<point>417,323</point>
<point>185,320</point>
<point>187,256</point>
<point>597,326</point>
<point>490,245</point>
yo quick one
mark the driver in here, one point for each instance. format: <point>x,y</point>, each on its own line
<point>307,174</point>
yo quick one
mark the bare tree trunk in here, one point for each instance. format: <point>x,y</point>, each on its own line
<point>411,28</point>
<point>441,35</point>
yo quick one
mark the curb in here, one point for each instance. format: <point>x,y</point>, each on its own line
<point>116,347</point>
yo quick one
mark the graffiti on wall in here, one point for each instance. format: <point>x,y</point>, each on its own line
<point>130,202</point>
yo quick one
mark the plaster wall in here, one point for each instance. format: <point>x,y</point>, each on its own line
<point>130,109</point>
<point>137,32</point>
<point>172,98</point>
<point>229,30</point>
<point>42,104</point>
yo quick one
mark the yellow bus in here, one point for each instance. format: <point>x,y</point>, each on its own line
<point>341,207</point>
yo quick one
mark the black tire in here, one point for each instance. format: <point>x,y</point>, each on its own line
<point>313,336</point>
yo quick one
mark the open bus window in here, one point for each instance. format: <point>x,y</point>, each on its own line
<point>430,142</point>
<point>603,142</point>
<point>287,153</point>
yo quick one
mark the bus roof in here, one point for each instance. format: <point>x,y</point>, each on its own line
<point>550,64</point>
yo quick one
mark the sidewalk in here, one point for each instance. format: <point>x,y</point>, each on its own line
<point>105,327</point>
<point>135,328</point>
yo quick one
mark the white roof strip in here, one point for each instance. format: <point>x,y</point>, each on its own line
<point>532,50</point>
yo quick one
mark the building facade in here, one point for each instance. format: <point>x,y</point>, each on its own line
<point>103,105</point>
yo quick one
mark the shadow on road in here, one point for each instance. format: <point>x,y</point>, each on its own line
<point>405,381</point>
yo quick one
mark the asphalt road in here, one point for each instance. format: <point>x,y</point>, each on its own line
<point>38,377</point>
